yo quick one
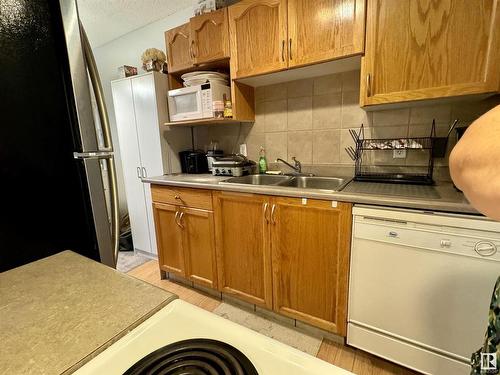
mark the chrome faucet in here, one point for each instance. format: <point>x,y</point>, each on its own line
<point>297,167</point>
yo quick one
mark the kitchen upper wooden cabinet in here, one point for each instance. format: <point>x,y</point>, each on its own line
<point>421,49</point>
<point>179,50</point>
<point>185,235</point>
<point>258,37</point>
<point>169,238</point>
<point>322,30</point>
<point>310,260</point>
<point>210,37</point>
<point>243,251</point>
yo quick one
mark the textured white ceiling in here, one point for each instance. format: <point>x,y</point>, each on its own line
<point>105,20</point>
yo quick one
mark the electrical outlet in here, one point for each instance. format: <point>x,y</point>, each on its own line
<point>243,149</point>
<point>399,154</point>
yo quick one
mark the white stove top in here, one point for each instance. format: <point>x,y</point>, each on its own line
<point>180,320</point>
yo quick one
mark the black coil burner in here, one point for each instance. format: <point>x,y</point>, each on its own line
<point>194,357</point>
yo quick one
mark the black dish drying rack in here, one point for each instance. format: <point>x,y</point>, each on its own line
<point>371,172</point>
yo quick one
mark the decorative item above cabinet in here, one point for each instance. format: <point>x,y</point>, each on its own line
<point>418,50</point>
<point>297,33</point>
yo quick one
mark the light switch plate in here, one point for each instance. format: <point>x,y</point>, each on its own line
<point>399,154</point>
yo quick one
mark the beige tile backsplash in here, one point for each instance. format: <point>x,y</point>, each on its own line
<point>310,119</point>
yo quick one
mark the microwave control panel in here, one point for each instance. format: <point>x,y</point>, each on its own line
<point>206,101</point>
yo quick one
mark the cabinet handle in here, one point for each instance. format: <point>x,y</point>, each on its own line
<point>176,217</point>
<point>266,205</point>
<point>180,220</point>
<point>177,197</point>
<point>138,172</point>
<point>273,211</point>
<point>144,173</point>
<point>283,50</point>
<point>368,85</point>
<point>290,49</point>
<point>193,55</point>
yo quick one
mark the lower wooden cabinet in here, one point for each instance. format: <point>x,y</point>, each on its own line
<point>169,238</point>
<point>290,255</point>
<point>243,251</point>
<point>199,245</point>
<point>310,241</point>
<point>186,242</point>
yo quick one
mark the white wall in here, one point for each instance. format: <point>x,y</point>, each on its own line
<point>127,50</point>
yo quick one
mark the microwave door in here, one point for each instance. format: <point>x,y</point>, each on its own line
<point>185,104</point>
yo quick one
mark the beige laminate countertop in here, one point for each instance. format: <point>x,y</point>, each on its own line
<point>441,197</point>
<point>59,312</point>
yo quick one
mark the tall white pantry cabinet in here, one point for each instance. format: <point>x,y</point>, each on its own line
<point>140,104</point>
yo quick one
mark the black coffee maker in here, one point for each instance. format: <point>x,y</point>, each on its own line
<point>193,161</point>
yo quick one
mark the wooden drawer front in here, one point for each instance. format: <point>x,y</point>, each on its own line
<point>196,198</point>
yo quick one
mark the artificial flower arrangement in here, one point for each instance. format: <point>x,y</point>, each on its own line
<point>153,59</point>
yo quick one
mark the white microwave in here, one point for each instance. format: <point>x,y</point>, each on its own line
<point>195,102</point>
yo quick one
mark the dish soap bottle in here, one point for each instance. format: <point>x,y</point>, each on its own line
<point>262,161</point>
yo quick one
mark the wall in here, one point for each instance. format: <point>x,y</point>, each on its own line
<point>310,119</point>
<point>127,50</point>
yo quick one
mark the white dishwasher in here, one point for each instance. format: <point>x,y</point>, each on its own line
<point>421,285</point>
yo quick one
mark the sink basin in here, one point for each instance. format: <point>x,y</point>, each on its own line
<point>259,179</point>
<point>324,183</point>
<point>300,182</point>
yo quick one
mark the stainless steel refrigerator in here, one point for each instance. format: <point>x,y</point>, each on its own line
<point>53,195</point>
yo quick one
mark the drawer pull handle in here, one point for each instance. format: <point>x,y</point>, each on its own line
<point>393,234</point>
<point>177,197</point>
<point>273,217</point>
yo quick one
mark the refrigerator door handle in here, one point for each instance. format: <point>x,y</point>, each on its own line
<point>108,144</point>
<point>93,155</point>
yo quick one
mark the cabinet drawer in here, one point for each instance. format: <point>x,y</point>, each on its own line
<point>196,198</point>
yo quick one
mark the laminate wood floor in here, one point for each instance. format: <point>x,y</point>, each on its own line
<point>354,360</point>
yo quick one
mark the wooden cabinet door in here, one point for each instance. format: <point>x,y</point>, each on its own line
<point>169,238</point>
<point>242,243</point>
<point>258,35</point>
<point>310,261</point>
<point>421,49</point>
<point>179,51</point>
<point>321,30</point>
<point>210,36</point>
<point>199,245</point>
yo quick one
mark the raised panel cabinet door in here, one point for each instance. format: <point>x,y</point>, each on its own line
<point>148,138</point>
<point>242,246</point>
<point>258,37</point>
<point>169,238</point>
<point>310,260</point>
<point>123,101</point>
<point>199,245</point>
<point>179,50</point>
<point>210,36</point>
<point>421,49</point>
<point>322,30</point>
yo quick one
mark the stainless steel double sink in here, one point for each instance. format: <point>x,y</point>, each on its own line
<point>301,182</point>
